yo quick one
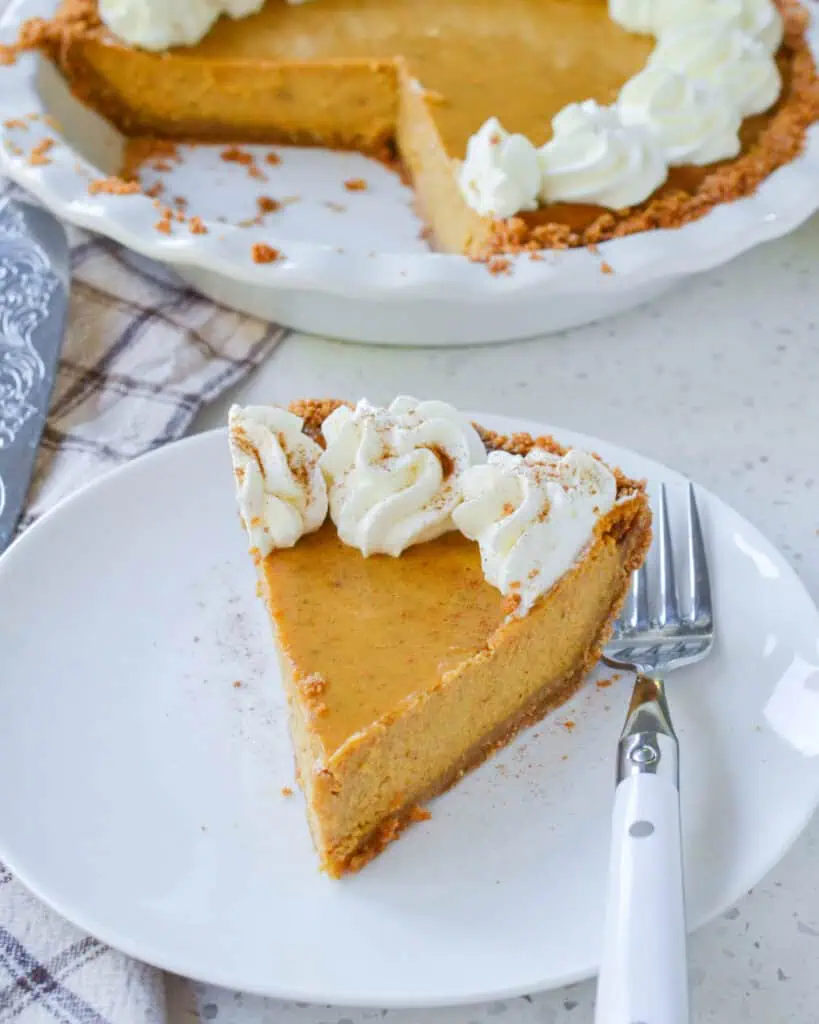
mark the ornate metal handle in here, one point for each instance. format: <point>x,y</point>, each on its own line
<point>33,299</point>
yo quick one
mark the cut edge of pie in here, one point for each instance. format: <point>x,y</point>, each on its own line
<point>361,795</point>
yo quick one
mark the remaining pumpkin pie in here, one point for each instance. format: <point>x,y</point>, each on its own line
<point>727,99</point>
<point>410,652</point>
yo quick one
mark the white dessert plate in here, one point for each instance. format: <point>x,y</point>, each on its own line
<point>143,753</point>
<point>356,267</point>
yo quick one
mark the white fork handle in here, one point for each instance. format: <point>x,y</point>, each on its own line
<point>643,973</point>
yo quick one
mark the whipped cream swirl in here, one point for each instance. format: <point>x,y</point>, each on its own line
<point>500,175</point>
<point>279,485</point>
<point>159,24</point>
<point>639,15</point>
<point>758,18</point>
<point>593,157</point>
<point>713,65</point>
<point>692,120</point>
<point>533,516</point>
<point>733,61</point>
<point>394,474</point>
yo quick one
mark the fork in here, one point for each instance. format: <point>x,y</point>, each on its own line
<point>643,973</point>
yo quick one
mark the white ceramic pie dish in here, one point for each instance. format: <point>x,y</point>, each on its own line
<point>361,273</point>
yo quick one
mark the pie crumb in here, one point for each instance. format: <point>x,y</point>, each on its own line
<point>37,157</point>
<point>263,253</point>
<point>287,791</point>
<point>606,268</point>
<point>237,684</point>
<point>356,185</point>
<point>14,122</point>
<point>236,155</point>
<point>163,225</point>
<point>499,265</point>
<point>197,226</point>
<point>113,186</point>
<point>273,159</point>
<point>268,205</point>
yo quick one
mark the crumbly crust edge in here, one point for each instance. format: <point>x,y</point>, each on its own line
<point>314,411</point>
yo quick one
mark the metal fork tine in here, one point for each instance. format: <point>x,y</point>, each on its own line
<point>639,588</point>
<point>650,637</point>
<point>635,609</point>
<point>668,613</point>
<point>700,583</point>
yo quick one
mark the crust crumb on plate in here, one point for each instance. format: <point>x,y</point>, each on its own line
<point>266,204</point>
<point>263,253</point>
<point>113,186</point>
<point>37,157</point>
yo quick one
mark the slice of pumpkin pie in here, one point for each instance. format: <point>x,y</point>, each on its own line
<point>460,588</point>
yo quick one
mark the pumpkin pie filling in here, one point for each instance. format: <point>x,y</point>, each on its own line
<point>421,76</point>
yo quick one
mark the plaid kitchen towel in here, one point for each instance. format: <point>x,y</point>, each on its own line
<point>141,357</point>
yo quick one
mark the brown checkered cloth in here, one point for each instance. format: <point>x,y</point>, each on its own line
<point>142,355</point>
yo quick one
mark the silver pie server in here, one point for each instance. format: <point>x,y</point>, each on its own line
<point>35,276</point>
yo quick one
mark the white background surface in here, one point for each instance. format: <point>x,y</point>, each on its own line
<point>719,379</point>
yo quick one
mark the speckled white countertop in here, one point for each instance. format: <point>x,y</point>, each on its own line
<point>720,380</point>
